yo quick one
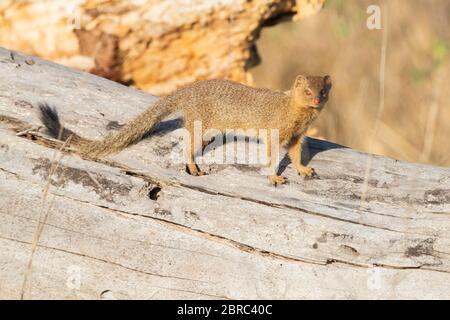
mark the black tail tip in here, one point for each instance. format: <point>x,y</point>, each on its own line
<point>50,119</point>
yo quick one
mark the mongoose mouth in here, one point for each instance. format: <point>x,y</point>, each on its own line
<point>317,106</point>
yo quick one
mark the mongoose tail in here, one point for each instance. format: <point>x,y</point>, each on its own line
<point>132,132</point>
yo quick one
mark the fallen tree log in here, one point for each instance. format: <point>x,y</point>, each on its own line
<point>135,225</point>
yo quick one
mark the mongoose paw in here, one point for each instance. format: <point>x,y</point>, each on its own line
<point>307,172</point>
<point>277,180</point>
<point>198,173</point>
<point>193,170</point>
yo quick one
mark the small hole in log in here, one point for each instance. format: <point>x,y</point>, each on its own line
<point>154,193</point>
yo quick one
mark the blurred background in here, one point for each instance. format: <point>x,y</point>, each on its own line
<point>415,122</point>
<point>161,45</point>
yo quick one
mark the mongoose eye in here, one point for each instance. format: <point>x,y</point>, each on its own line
<point>322,92</point>
<point>308,92</point>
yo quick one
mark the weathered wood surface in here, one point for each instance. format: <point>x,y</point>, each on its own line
<point>157,45</point>
<point>226,235</point>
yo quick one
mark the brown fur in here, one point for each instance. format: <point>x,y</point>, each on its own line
<point>218,104</point>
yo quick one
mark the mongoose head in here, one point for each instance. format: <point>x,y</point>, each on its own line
<point>311,91</point>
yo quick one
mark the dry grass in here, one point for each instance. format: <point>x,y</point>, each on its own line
<point>43,216</point>
<point>414,123</point>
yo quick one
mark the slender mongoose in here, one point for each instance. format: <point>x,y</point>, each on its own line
<point>218,104</point>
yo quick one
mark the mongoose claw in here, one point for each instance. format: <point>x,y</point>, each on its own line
<point>307,172</point>
<point>277,180</point>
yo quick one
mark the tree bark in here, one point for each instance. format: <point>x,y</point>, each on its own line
<point>135,225</point>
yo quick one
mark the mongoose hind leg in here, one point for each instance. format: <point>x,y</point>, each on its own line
<point>191,166</point>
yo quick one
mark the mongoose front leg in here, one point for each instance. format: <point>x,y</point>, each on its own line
<point>295,151</point>
<point>273,177</point>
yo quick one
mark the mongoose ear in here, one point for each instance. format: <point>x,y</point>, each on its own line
<point>300,81</point>
<point>327,82</point>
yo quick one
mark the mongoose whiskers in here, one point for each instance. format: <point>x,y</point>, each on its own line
<point>222,105</point>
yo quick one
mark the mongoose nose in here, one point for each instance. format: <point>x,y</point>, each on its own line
<point>317,100</point>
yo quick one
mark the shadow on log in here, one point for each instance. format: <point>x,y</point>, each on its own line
<point>135,225</point>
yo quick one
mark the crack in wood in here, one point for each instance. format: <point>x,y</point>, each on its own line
<point>104,261</point>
